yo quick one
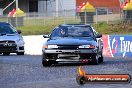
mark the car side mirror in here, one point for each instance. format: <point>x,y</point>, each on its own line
<point>19,31</point>
<point>99,36</point>
<point>46,36</point>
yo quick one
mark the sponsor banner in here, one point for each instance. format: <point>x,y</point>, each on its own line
<point>117,45</point>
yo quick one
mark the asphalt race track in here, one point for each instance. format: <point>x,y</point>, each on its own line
<point>28,72</point>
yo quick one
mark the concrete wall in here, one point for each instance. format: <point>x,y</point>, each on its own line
<point>51,6</point>
<point>67,4</point>
<point>49,9</point>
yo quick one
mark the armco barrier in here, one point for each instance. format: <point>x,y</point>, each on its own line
<point>117,45</point>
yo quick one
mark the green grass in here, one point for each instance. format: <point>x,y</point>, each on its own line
<point>2,19</point>
<point>36,30</point>
<point>101,28</point>
<point>115,28</point>
<point>46,25</point>
<point>43,26</point>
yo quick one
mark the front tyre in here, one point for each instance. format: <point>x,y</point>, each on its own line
<point>6,54</point>
<point>48,63</point>
<point>20,53</point>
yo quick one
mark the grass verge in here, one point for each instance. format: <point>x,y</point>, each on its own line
<point>104,28</point>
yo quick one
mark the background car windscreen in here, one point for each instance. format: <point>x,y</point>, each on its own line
<point>72,32</point>
<point>6,29</point>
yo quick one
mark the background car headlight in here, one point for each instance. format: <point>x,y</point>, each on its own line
<point>20,41</point>
<point>50,46</point>
<point>87,46</point>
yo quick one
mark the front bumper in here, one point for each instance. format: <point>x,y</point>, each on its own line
<point>74,55</point>
<point>57,51</point>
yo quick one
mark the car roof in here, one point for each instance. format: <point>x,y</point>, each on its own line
<point>74,25</point>
<point>4,23</point>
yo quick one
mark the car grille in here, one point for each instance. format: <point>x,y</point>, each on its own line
<point>8,46</point>
<point>68,47</point>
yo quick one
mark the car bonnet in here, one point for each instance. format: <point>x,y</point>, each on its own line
<point>13,37</point>
<point>71,41</point>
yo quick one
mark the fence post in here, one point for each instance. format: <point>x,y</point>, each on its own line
<point>120,15</point>
<point>96,16</point>
<point>16,21</point>
<point>64,16</point>
<point>57,8</point>
<point>85,17</point>
<point>107,15</point>
<point>76,16</point>
<point>34,18</point>
<point>7,19</point>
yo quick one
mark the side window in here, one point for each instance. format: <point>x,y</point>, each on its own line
<point>54,33</point>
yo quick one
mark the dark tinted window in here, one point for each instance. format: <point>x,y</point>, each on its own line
<point>7,29</point>
<point>72,32</point>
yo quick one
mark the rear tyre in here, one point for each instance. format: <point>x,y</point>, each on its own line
<point>6,54</point>
<point>20,53</point>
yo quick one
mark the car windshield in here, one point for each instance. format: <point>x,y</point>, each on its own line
<point>72,32</point>
<point>7,29</point>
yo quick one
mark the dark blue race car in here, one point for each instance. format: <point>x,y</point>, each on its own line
<point>72,42</point>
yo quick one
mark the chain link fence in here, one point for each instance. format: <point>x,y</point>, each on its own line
<point>108,15</point>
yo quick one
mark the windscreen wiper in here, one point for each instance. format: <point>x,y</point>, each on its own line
<point>10,34</point>
<point>64,36</point>
<point>86,36</point>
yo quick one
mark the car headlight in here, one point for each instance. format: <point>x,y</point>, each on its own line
<point>50,46</point>
<point>87,46</point>
<point>20,41</point>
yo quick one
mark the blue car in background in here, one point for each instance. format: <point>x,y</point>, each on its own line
<point>10,40</point>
